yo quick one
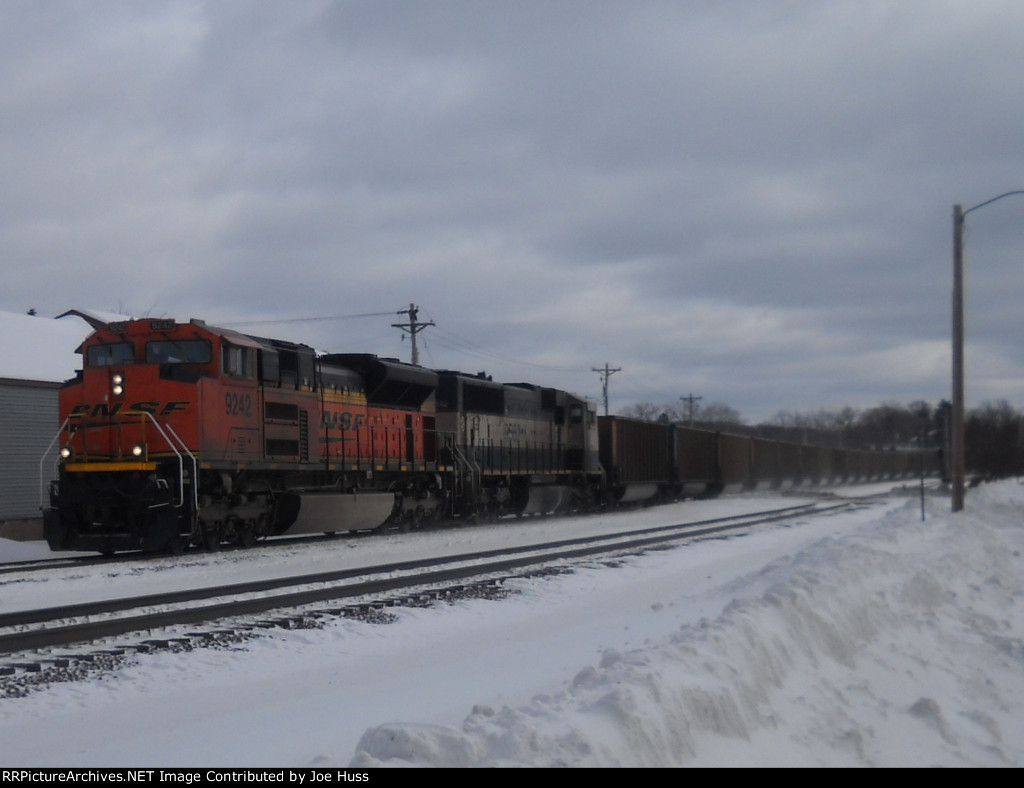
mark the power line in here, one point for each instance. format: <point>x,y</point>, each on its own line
<point>447,339</point>
<point>460,345</point>
<point>306,319</point>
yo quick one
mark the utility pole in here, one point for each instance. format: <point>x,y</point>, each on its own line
<point>605,373</point>
<point>412,328</point>
<point>958,463</point>
<point>691,401</point>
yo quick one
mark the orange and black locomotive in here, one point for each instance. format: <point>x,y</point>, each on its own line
<point>183,433</point>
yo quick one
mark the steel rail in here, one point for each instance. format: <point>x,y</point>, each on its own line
<point>541,554</point>
<point>63,612</point>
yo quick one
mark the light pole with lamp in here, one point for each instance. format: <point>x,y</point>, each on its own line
<point>958,469</point>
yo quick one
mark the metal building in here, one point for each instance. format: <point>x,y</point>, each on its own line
<point>36,355</point>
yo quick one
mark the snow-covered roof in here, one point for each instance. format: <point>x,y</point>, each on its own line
<point>41,348</point>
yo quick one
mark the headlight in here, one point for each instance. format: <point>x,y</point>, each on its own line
<point>117,385</point>
<point>138,450</point>
<point>65,452</point>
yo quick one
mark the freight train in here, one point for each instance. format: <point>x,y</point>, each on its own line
<point>177,434</point>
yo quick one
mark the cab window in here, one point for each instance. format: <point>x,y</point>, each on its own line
<point>236,361</point>
<point>186,351</point>
<point>111,355</point>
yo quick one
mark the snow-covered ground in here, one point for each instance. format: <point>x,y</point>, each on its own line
<point>864,639</point>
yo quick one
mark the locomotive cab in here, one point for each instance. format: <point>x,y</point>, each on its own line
<point>129,437</point>
<point>156,426</point>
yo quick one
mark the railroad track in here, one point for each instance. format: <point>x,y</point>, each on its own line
<point>34,640</point>
<point>48,564</point>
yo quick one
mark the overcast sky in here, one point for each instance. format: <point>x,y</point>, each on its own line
<point>750,201</point>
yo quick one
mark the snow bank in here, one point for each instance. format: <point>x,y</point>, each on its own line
<point>895,646</point>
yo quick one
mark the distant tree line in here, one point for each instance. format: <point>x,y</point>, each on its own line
<point>994,432</point>
<point>714,415</point>
<point>994,441</point>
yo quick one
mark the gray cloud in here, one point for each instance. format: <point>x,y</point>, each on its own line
<point>748,200</point>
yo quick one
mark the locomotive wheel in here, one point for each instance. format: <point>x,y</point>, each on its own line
<point>409,522</point>
<point>486,514</point>
<point>245,535</point>
<point>177,545</point>
<point>211,537</point>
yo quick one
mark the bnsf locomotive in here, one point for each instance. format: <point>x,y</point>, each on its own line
<point>183,433</point>
<point>179,433</point>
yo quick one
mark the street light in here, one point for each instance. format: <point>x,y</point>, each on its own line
<point>958,463</point>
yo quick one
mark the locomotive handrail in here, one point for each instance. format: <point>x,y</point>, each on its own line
<point>195,471</point>
<point>471,468</point>
<point>172,444</point>
<point>181,462</point>
<point>42,500</point>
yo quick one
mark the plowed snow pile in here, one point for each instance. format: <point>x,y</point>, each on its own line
<point>900,645</point>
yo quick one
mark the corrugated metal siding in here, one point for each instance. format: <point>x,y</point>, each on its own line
<point>28,422</point>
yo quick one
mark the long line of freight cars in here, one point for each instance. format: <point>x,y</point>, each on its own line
<point>644,459</point>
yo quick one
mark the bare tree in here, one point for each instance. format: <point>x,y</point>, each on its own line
<point>714,413</point>
<point>646,411</point>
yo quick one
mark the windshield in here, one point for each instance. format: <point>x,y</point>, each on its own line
<point>188,351</point>
<point>111,355</point>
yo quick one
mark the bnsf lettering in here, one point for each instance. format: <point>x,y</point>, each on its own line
<point>238,404</point>
<point>106,411</point>
<point>343,421</point>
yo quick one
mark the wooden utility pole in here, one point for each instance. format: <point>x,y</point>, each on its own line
<point>412,328</point>
<point>691,401</point>
<point>605,373</point>
<point>958,447</point>
<point>957,461</point>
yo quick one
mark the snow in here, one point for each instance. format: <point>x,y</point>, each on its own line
<point>37,348</point>
<point>869,638</point>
